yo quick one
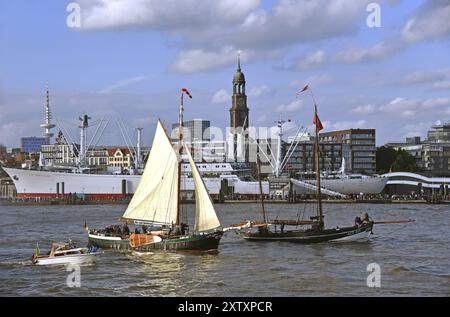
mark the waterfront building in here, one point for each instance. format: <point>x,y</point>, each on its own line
<point>436,158</point>
<point>119,158</point>
<point>59,154</point>
<point>413,146</point>
<point>7,188</point>
<point>97,157</point>
<point>302,160</point>
<point>208,151</point>
<point>196,130</point>
<point>33,144</point>
<point>405,183</point>
<point>432,155</point>
<point>196,135</point>
<point>439,133</point>
<point>358,148</point>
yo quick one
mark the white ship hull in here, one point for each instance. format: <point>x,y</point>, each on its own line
<point>44,184</point>
<point>354,186</point>
<point>33,183</point>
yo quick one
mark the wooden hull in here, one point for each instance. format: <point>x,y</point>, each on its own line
<point>312,236</point>
<point>204,242</point>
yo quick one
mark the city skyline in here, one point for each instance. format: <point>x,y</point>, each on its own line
<point>130,59</point>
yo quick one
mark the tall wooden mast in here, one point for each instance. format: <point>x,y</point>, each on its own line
<point>180,151</point>
<point>261,194</point>
<point>317,156</point>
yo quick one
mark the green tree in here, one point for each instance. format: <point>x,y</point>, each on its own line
<point>385,157</point>
<point>389,159</point>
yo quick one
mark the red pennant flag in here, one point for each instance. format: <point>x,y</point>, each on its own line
<point>317,122</point>
<point>187,92</point>
<point>304,88</point>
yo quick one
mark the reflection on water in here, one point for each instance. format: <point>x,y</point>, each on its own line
<point>411,257</point>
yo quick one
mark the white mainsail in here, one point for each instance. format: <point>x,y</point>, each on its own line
<point>156,197</point>
<point>205,215</point>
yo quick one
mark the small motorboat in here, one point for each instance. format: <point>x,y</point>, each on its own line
<point>62,253</point>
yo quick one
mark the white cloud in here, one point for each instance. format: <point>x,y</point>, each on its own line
<point>123,83</point>
<point>200,60</point>
<point>436,102</point>
<point>423,77</point>
<point>401,105</point>
<point>410,107</point>
<point>408,113</point>
<point>343,125</point>
<point>221,96</point>
<point>259,91</point>
<point>314,60</point>
<point>367,109</point>
<point>442,85</point>
<point>204,29</point>
<point>431,22</point>
<point>376,52</point>
<point>168,15</point>
<point>290,107</point>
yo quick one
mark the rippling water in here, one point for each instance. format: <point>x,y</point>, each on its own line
<point>414,258</point>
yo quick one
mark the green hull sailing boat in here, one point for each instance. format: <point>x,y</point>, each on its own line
<point>157,201</point>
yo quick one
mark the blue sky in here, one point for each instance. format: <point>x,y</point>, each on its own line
<point>130,58</point>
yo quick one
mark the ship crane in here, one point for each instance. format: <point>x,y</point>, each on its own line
<point>83,136</point>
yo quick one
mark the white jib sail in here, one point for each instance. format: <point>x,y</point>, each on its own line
<point>205,215</point>
<point>156,196</point>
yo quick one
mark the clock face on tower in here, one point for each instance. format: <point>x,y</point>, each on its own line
<point>240,102</point>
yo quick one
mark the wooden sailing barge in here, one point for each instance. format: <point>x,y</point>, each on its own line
<point>316,231</point>
<point>157,203</point>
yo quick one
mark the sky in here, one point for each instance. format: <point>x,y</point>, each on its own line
<point>129,59</point>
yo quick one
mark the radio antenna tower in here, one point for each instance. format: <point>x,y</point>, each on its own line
<point>48,115</point>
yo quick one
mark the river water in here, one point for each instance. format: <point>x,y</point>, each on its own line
<point>414,258</point>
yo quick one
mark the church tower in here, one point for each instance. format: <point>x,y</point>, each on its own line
<point>239,120</point>
<point>239,110</point>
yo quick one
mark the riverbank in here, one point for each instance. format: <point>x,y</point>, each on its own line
<point>19,202</point>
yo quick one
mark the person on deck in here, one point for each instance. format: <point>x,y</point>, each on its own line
<point>358,221</point>
<point>366,219</point>
<point>125,230</point>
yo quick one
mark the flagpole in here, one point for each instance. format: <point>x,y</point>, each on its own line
<point>319,189</point>
<point>312,95</point>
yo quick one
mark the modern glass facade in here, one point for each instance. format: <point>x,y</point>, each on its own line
<point>33,144</point>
